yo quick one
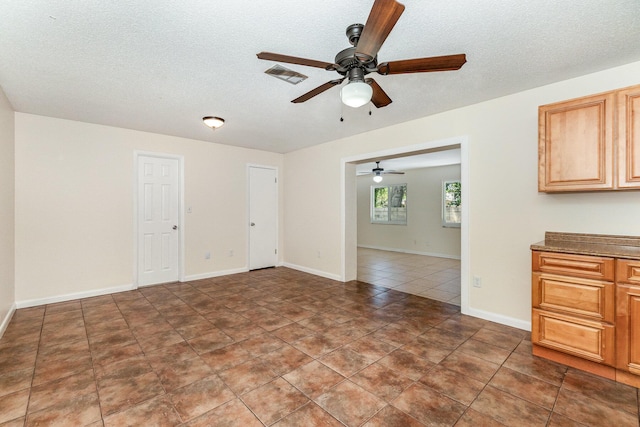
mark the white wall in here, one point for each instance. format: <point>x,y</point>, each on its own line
<point>74,206</point>
<point>7,277</point>
<point>507,214</point>
<point>423,232</point>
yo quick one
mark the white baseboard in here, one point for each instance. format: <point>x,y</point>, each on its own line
<point>7,319</point>
<point>498,318</point>
<point>407,251</point>
<point>313,271</point>
<point>215,274</point>
<point>74,296</point>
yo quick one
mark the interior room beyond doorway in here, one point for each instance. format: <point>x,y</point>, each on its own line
<point>427,276</point>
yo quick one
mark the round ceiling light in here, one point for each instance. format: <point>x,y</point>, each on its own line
<point>213,122</point>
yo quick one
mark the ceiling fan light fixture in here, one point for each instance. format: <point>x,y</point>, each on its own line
<point>356,94</point>
<point>213,122</point>
<point>377,178</point>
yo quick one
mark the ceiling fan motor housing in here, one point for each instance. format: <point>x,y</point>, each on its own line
<point>347,61</point>
<point>353,33</point>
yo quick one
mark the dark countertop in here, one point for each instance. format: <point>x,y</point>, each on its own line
<point>590,244</point>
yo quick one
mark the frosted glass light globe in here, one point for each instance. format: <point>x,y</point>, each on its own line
<point>356,94</point>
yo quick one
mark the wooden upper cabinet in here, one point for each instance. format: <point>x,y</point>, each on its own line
<point>590,143</point>
<point>629,138</point>
<point>575,145</point>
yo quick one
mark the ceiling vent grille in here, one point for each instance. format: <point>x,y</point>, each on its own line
<point>282,73</point>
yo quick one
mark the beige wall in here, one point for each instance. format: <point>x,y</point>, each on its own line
<point>7,277</point>
<point>74,199</point>
<point>74,206</point>
<point>507,214</point>
<point>423,232</point>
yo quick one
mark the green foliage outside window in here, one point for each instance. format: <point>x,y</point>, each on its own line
<point>451,204</point>
<point>389,204</point>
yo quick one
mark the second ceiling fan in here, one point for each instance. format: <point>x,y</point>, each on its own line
<point>377,172</point>
<point>355,62</point>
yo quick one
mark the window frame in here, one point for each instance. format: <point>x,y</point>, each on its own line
<point>372,206</point>
<point>445,205</point>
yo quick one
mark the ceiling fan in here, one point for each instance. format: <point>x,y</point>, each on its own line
<point>355,62</point>
<point>377,172</point>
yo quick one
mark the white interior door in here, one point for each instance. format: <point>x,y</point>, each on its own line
<point>157,210</point>
<point>263,217</point>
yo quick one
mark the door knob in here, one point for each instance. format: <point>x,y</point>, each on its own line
<point>175,227</point>
<point>253,224</point>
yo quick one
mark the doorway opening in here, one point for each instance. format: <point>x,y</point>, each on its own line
<point>349,206</point>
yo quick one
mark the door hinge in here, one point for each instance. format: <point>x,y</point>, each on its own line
<point>275,180</point>
<point>275,251</point>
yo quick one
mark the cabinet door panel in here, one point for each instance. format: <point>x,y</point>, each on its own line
<point>590,267</point>
<point>583,338</point>
<point>583,297</point>
<point>629,138</point>
<point>575,150</point>
<point>628,328</point>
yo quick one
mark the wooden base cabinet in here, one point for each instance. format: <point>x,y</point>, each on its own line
<point>585,299</point>
<point>586,313</point>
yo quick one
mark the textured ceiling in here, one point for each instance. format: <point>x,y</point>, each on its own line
<point>425,160</point>
<point>160,65</point>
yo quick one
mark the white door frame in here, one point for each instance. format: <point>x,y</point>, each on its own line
<point>348,209</point>
<point>248,214</point>
<point>136,155</point>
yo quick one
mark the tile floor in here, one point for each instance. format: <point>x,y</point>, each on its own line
<point>284,348</point>
<point>426,276</point>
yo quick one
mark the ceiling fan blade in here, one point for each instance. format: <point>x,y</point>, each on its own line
<point>269,56</point>
<point>317,91</point>
<point>423,65</point>
<point>379,98</point>
<point>383,16</point>
<point>392,173</point>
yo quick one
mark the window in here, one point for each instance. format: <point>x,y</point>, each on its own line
<point>451,199</point>
<point>389,204</point>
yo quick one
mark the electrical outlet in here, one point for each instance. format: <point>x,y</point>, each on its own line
<point>319,254</point>
<point>477,282</point>
<point>207,255</point>
<point>230,253</point>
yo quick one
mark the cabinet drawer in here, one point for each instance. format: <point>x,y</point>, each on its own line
<point>628,271</point>
<point>583,338</point>
<point>582,297</point>
<point>590,267</point>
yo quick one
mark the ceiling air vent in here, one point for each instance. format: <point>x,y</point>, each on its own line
<point>282,73</point>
